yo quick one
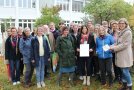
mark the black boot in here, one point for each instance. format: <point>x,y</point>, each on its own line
<point>72,78</point>
<point>124,86</point>
<point>129,88</point>
<point>59,79</point>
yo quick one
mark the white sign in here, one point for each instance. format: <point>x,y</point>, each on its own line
<point>84,50</point>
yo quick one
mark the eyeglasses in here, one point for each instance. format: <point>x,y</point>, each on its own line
<point>121,23</point>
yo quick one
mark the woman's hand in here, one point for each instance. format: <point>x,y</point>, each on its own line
<point>90,50</point>
<point>78,50</point>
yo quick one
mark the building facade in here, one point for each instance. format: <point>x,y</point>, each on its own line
<point>24,12</point>
<point>19,12</point>
<point>71,10</point>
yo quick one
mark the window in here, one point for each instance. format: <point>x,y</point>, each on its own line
<point>20,3</point>
<point>27,23</point>
<point>64,4</point>
<point>1,2</point>
<point>33,3</point>
<point>77,6</point>
<point>12,2</point>
<point>7,2</point>
<point>24,3</point>
<point>66,23</point>
<point>27,3</point>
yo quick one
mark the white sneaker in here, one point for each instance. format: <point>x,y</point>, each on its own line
<point>18,82</point>
<point>81,77</point>
<point>38,85</point>
<point>69,79</point>
<point>43,84</point>
<point>85,80</point>
<point>14,83</point>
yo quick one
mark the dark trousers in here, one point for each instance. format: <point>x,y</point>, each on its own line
<point>15,70</point>
<point>85,63</point>
<point>28,73</point>
<point>21,67</point>
<point>117,70</point>
<point>106,66</point>
<point>95,65</point>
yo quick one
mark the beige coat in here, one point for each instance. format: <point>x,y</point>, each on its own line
<point>123,49</point>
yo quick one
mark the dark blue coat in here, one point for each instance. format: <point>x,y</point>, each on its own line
<point>35,50</point>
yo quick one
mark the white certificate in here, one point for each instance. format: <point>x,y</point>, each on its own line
<point>84,50</point>
<point>106,47</point>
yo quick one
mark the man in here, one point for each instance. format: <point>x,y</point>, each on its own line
<point>12,54</point>
<point>55,32</point>
<point>20,35</point>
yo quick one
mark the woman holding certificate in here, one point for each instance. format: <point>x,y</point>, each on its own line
<point>124,56</point>
<point>85,46</point>
<point>103,42</point>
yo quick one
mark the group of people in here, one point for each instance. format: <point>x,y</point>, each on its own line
<point>110,52</point>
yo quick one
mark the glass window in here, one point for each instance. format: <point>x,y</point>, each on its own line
<point>25,25</point>
<point>33,3</point>
<point>12,2</point>
<point>20,24</point>
<point>77,6</point>
<point>24,3</point>
<point>7,2</point>
<point>20,3</point>
<point>29,25</point>
<point>29,3</point>
<point>1,2</point>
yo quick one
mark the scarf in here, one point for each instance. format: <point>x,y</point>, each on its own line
<point>14,43</point>
<point>84,38</point>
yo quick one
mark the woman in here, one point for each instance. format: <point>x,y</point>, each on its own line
<point>85,62</point>
<point>104,55</point>
<point>124,56</point>
<point>117,70</point>
<point>6,61</point>
<point>12,54</point>
<point>66,52</point>
<point>25,49</point>
<point>40,55</point>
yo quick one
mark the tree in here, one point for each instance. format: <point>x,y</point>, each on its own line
<point>49,15</point>
<point>108,9</point>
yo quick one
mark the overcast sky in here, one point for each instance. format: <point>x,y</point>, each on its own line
<point>130,1</point>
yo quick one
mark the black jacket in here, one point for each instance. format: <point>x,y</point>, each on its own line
<point>10,52</point>
<point>90,41</point>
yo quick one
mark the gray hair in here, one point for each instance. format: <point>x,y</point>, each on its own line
<point>125,21</point>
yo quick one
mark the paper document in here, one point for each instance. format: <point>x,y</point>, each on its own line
<point>84,50</point>
<point>106,47</point>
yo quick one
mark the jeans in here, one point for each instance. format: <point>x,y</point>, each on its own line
<point>40,70</point>
<point>126,77</point>
<point>15,70</point>
<point>106,66</point>
<point>28,73</point>
<point>85,65</point>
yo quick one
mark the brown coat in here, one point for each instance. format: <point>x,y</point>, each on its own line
<point>123,49</point>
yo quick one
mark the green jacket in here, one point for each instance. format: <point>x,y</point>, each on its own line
<point>65,50</point>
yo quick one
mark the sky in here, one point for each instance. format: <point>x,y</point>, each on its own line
<point>130,1</point>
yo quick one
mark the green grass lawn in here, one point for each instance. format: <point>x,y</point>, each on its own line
<point>50,83</point>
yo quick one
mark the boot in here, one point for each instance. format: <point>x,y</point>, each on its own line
<point>124,86</point>
<point>129,88</point>
<point>88,80</point>
<point>84,81</point>
<point>59,79</point>
<point>72,79</point>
